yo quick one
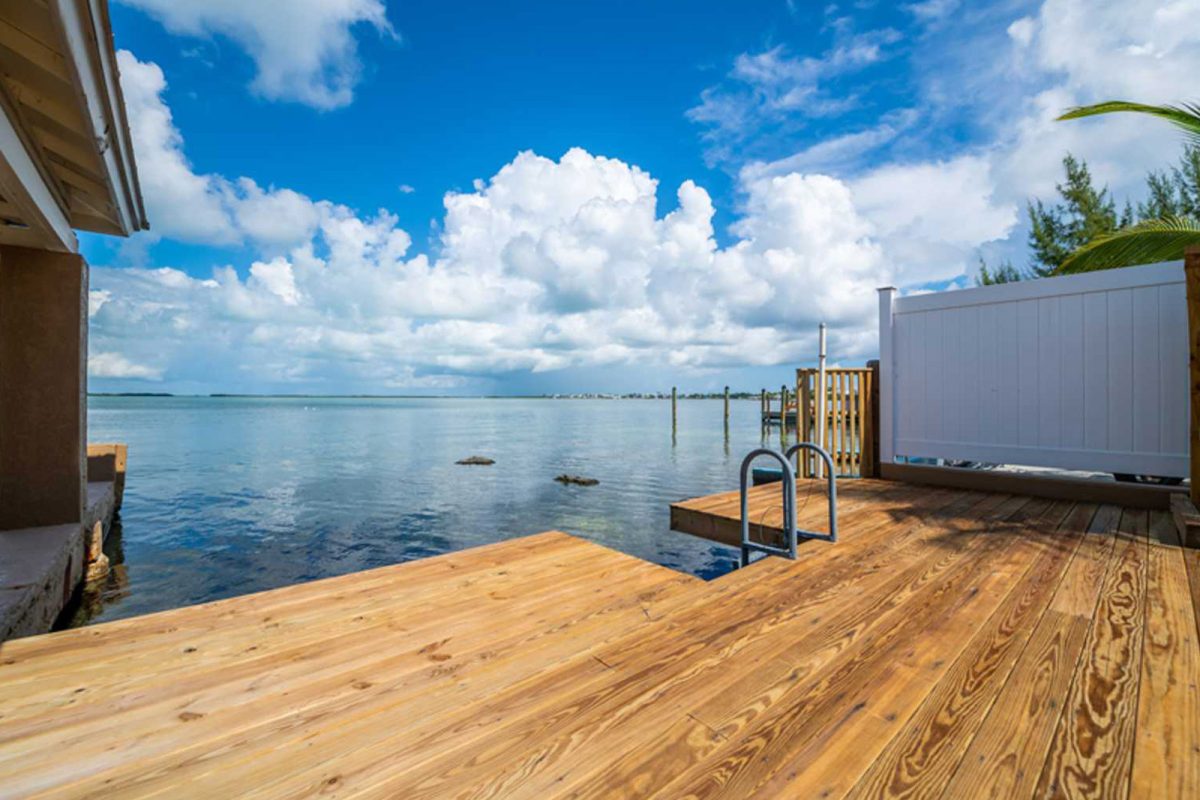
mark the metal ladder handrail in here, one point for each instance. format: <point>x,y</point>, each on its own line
<point>831,491</point>
<point>789,506</point>
<point>792,533</point>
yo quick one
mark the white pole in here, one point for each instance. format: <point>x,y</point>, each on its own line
<point>821,397</point>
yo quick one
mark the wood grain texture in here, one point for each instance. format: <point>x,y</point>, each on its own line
<point>952,644</point>
<point>1092,750</point>
<point>1166,761</point>
<point>1006,754</point>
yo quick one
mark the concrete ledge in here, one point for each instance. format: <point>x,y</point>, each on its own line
<point>41,567</point>
<point>106,462</point>
<point>1129,495</point>
<point>39,570</point>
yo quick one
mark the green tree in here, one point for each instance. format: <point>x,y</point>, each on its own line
<point>1085,214</point>
<point>1154,238</point>
<point>1174,193</point>
<point>1005,272</point>
<point>1082,214</point>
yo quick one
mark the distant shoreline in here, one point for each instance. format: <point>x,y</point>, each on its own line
<point>580,396</point>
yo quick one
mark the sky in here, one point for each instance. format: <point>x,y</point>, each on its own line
<point>370,197</point>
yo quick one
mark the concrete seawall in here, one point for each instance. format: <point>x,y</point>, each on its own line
<point>41,568</point>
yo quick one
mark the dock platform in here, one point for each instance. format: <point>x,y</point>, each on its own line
<point>953,644</point>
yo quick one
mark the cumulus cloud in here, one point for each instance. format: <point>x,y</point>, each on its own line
<point>115,365</point>
<point>189,206</point>
<point>548,264</point>
<point>586,261</point>
<point>1075,52</point>
<point>306,54</point>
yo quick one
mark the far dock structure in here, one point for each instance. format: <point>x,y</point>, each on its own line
<point>970,634</point>
<point>66,163</point>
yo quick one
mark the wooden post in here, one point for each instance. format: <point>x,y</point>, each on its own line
<point>674,397</point>
<point>727,406</point>
<point>870,432</point>
<point>783,401</point>
<point>1191,269</point>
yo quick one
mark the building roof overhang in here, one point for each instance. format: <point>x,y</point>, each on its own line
<point>66,158</point>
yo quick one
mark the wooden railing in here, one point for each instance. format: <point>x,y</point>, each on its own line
<point>851,419</point>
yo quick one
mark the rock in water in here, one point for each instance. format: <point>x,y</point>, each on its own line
<point>576,480</point>
<point>476,461</point>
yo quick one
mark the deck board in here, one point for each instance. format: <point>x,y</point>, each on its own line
<point>952,644</point>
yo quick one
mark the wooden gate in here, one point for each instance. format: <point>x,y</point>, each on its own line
<point>851,419</point>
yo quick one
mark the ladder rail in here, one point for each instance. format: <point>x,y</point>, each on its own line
<point>789,506</point>
<point>831,490</point>
<point>792,533</point>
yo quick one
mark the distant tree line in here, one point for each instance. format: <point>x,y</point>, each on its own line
<point>1085,213</point>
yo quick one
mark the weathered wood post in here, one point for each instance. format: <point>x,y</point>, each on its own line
<point>726,406</point>
<point>1191,269</point>
<point>674,416</point>
<point>783,401</point>
<point>763,407</point>
<point>871,424</point>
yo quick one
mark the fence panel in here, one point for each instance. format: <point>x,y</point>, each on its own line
<point>849,421</point>
<point>1083,372</point>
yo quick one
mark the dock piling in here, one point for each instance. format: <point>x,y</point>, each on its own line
<point>674,412</point>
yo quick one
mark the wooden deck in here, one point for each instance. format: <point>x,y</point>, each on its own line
<point>954,644</point>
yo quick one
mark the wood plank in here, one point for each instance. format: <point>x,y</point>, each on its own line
<point>1166,759</point>
<point>389,675</point>
<point>1007,752</point>
<point>1092,750</point>
<point>482,743</point>
<point>821,632</point>
<point>284,658</point>
<point>919,761</point>
<point>928,653</point>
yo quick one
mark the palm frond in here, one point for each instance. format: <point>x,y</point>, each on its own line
<point>1145,243</point>
<point>1185,116</point>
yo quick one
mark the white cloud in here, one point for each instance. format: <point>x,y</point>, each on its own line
<point>188,206</point>
<point>932,217</point>
<point>114,365</point>
<point>547,265</point>
<point>932,10</point>
<point>1077,52</point>
<point>553,264</point>
<point>1022,30</point>
<point>181,204</point>
<point>775,88</point>
<point>305,52</point>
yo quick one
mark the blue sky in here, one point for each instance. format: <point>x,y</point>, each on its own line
<point>339,202</point>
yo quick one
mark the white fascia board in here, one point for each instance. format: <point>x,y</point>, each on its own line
<point>96,83</point>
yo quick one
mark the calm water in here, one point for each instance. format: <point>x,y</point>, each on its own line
<point>232,495</point>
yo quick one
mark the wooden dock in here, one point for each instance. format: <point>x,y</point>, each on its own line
<point>953,644</point>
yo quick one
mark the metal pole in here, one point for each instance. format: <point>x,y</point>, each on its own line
<point>821,406</point>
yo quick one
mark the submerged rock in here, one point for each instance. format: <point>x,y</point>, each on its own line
<point>476,461</point>
<point>577,480</point>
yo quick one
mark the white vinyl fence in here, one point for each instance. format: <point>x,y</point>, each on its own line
<point>1083,372</point>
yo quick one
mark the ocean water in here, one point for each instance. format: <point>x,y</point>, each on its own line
<point>232,495</point>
